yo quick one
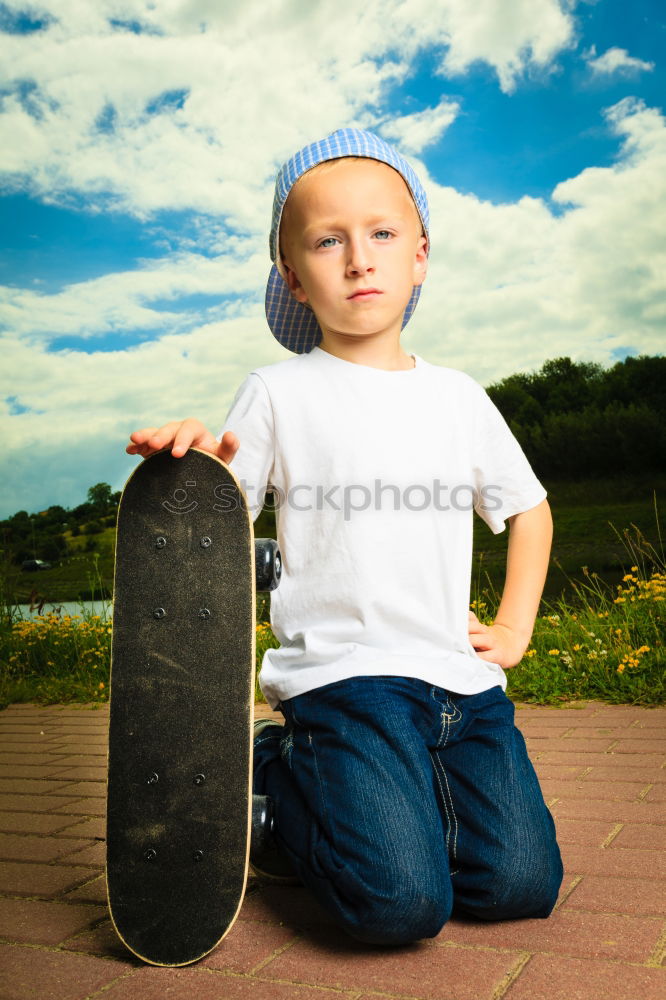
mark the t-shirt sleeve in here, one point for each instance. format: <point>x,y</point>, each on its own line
<point>505,481</point>
<point>251,420</point>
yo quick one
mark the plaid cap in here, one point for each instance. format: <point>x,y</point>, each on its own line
<point>294,324</point>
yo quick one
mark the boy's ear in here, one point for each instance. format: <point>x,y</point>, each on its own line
<point>293,284</point>
<point>421,261</point>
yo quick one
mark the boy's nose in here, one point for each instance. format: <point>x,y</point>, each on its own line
<point>358,259</point>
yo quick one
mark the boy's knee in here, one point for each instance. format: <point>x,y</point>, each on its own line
<point>403,922</point>
<point>401,918</point>
<point>529,892</point>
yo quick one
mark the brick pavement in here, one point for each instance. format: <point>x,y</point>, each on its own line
<point>603,772</point>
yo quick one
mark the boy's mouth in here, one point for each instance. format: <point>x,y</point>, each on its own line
<point>362,293</point>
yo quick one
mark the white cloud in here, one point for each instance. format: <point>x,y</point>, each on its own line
<point>422,128</point>
<point>512,285</point>
<point>616,60</point>
<point>254,82</point>
<point>122,302</point>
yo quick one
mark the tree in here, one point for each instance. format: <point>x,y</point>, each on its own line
<point>100,497</point>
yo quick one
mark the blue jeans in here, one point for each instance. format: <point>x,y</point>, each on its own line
<point>396,800</point>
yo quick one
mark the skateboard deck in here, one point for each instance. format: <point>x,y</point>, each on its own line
<point>182,697</point>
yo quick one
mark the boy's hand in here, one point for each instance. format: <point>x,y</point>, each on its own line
<point>496,643</point>
<point>179,436</point>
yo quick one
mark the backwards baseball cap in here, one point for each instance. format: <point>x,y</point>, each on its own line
<point>293,323</point>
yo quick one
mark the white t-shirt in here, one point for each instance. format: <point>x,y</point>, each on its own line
<point>377,474</point>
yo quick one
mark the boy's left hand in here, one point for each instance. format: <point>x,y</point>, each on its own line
<point>496,643</point>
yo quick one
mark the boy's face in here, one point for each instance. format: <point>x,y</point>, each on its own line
<point>352,247</point>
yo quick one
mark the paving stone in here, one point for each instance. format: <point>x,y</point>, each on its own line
<point>642,745</point>
<point>573,745</point>
<point>35,922</point>
<point>47,881</point>
<point>28,786</point>
<point>656,720</point>
<point>557,772</point>
<point>34,759</point>
<point>35,771</point>
<point>94,854</point>
<point>592,732</point>
<point>247,944</point>
<point>591,833</point>
<point>641,836</point>
<point>87,789</point>
<point>89,892</point>
<point>533,732</point>
<point>30,735</point>
<point>185,984</point>
<point>95,828</point>
<point>48,975</point>
<point>97,750</point>
<point>633,896</point>
<point>628,862</point>
<point>83,807</point>
<point>32,803</point>
<point>614,791</point>
<point>547,977</point>
<point>620,762</point>
<point>14,847</point>
<point>100,940</point>
<point>330,958</point>
<point>81,772</point>
<point>16,822</point>
<point>565,932</point>
<point>293,906</point>
<point>630,812</point>
<point>609,772</point>
<point>84,739</point>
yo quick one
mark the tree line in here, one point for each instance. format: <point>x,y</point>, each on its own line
<point>577,420</point>
<point>42,535</point>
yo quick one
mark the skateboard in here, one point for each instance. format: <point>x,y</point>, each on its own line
<point>181,704</point>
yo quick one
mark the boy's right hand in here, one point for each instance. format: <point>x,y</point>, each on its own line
<point>179,436</point>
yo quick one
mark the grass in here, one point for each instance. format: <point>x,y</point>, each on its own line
<point>602,641</point>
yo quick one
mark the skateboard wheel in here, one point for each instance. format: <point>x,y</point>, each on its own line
<point>159,613</point>
<point>150,854</point>
<point>268,563</point>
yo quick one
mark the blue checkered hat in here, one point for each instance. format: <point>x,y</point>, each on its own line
<point>293,323</point>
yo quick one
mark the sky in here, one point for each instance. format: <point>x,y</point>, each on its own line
<point>139,142</point>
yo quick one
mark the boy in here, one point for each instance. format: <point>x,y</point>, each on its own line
<point>399,782</point>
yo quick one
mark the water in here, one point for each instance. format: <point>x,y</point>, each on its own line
<point>101,608</point>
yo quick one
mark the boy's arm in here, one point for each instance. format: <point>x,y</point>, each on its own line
<point>179,436</point>
<point>505,641</point>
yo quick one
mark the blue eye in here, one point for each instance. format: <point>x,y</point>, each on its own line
<point>382,234</point>
<point>329,241</point>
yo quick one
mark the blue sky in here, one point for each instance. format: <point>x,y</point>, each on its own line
<point>138,145</point>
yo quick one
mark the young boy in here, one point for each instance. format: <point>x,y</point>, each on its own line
<point>400,785</point>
